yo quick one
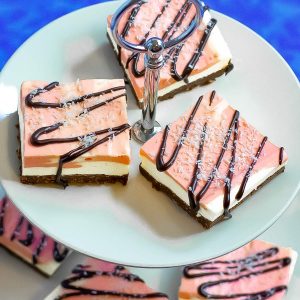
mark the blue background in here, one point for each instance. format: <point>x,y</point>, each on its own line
<point>277,21</point>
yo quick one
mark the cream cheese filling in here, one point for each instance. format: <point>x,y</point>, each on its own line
<point>214,209</point>
<point>218,43</point>
<point>88,168</point>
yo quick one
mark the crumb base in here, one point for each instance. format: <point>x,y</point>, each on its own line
<point>76,179</point>
<point>203,221</point>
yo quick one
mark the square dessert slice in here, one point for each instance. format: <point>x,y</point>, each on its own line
<point>210,160</point>
<point>28,242</point>
<point>96,279</point>
<point>199,60</point>
<point>259,270</point>
<point>74,133</point>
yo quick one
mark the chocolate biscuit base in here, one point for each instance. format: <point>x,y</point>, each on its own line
<point>188,85</point>
<point>75,179</point>
<point>205,222</point>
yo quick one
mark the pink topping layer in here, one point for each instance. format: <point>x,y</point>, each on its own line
<point>140,27</point>
<point>11,219</point>
<point>111,115</point>
<point>218,117</point>
<point>253,284</point>
<point>105,280</point>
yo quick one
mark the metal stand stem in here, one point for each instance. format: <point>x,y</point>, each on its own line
<point>147,127</point>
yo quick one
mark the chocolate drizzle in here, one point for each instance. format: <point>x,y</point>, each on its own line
<point>73,154</point>
<point>166,36</point>
<point>196,56</point>
<point>57,255</point>
<point>29,236</point>
<point>81,273</point>
<point>281,151</point>
<point>237,270</point>
<point>39,249</point>
<point>160,164</point>
<point>241,191</point>
<point>226,201</point>
<point>2,214</point>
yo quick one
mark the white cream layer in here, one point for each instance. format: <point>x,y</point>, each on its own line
<point>214,208</point>
<point>218,43</point>
<point>88,168</point>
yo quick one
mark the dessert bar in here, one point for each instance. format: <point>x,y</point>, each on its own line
<point>74,133</point>
<point>210,160</point>
<point>198,61</point>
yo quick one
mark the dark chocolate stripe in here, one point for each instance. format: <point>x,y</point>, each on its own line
<point>81,273</point>
<point>212,97</point>
<point>218,163</point>
<point>17,230</point>
<point>29,236</point>
<point>2,214</point>
<point>242,268</point>
<point>39,249</point>
<point>160,164</point>
<point>58,255</point>
<point>197,170</point>
<point>29,98</point>
<point>196,56</point>
<point>228,180</point>
<point>240,193</point>
<point>281,151</point>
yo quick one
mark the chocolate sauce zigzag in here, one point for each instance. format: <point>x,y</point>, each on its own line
<point>81,273</point>
<point>168,35</point>
<point>241,191</point>
<point>57,255</point>
<point>73,154</point>
<point>243,268</point>
<point>160,164</point>
<point>233,129</point>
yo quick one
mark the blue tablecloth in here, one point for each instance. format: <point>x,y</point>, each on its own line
<point>277,21</point>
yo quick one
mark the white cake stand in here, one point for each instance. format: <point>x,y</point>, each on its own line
<point>136,225</point>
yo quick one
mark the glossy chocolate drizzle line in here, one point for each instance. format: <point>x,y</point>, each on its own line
<point>73,154</point>
<point>2,214</point>
<point>81,273</point>
<point>17,230</point>
<point>197,170</point>
<point>243,269</point>
<point>240,193</point>
<point>212,175</point>
<point>30,237</point>
<point>196,56</point>
<point>160,164</point>
<point>39,249</point>
<point>226,200</point>
<point>281,155</point>
<point>167,35</point>
<point>58,255</point>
